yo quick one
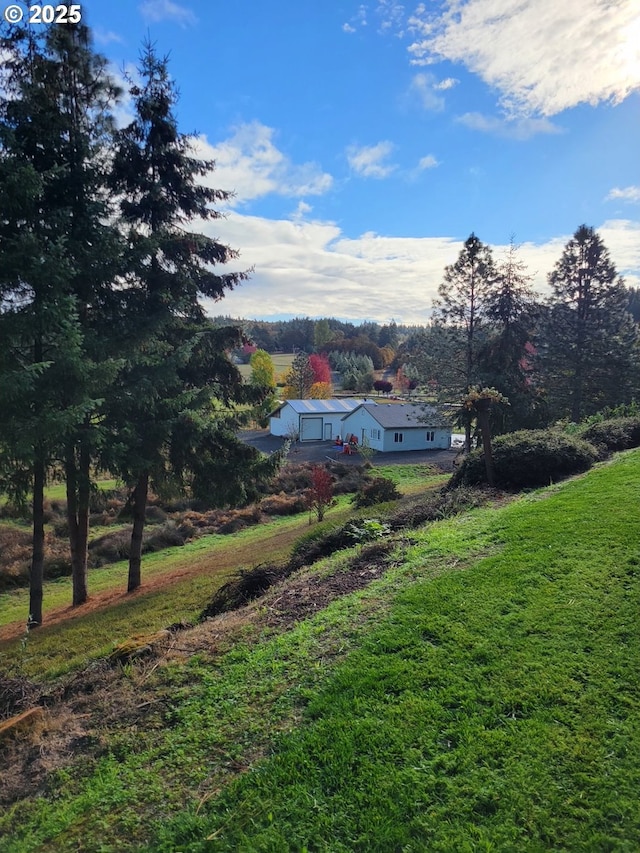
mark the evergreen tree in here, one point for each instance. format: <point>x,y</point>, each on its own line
<point>169,378</point>
<point>299,378</point>
<point>507,356</point>
<point>459,310</point>
<point>591,352</point>
<point>49,234</point>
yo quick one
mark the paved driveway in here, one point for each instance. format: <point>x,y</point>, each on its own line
<point>320,451</point>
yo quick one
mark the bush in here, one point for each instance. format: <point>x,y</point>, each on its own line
<point>441,504</point>
<point>282,504</point>
<point>245,587</point>
<point>614,434</point>
<point>317,534</point>
<point>528,458</point>
<point>379,490</point>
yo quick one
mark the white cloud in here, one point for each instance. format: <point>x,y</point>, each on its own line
<point>630,194</point>
<point>622,238</point>
<point>367,160</point>
<point>391,15</point>
<point>347,28</point>
<point>447,83</point>
<point>166,10</point>
<point>311,268</point>
<point>105,37</point>
<point>249,164</point>
<point>428,162</point>
<point>542,55</point>
<point>511,127</point>
<point>424,89</point>
<point>124,112</point>
<point>301,211</point>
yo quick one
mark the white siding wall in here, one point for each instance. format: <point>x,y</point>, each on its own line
<point>281,425</point>
<point>360,420</point>
<point>415,438</point>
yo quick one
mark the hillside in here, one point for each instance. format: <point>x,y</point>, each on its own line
<point>479,694</point>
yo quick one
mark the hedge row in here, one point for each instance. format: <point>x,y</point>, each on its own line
<point>528,458</point>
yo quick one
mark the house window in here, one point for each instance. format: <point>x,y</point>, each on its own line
<point>398,437</point>
<point>374,433</point>
<point>431,435</point>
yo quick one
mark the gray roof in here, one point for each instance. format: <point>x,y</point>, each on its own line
<point>406,415</point>
<point>334,406</point>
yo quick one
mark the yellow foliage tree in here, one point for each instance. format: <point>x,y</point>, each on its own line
<point>321,391</point>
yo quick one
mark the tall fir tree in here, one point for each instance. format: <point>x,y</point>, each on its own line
<point>459,311</point>
<point>45,232</point>
<point>507,356</point>
<point>591,351</point>
<point>160,183</point>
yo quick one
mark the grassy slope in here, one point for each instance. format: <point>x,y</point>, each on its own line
<point>483,696</point>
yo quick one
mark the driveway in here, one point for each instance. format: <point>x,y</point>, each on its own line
<point>320,451</point>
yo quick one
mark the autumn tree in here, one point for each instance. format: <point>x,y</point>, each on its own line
<point>262,370</point>
<point>321,368</point>
<point>320,495</point>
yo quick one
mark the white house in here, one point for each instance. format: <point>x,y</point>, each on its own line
<point>311,420</point>
<point>405,426</point>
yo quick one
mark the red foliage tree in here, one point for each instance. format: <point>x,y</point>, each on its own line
<point>382,386</point>
<point>321,368</point>
<point>320,495</point>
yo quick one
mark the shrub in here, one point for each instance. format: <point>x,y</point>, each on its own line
<point>441,504</point>
<point>310,539</point>
<point>528,458</point>
<point>379,490</point>
<point>247,585</point>
<point>282,504</point>
<point>614,434</point>
<point>155,515</point>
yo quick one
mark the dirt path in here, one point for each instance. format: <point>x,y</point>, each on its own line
<point>273,544</point>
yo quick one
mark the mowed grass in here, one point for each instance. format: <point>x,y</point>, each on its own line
<point>196,569</point>
<point>482,696</point>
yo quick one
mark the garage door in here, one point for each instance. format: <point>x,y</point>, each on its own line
<point>311,429</point>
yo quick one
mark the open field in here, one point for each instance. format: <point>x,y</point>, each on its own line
<point>481,695</point>
<point>281,362</point>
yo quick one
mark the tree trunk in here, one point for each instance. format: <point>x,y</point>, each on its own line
<point>78,495</point>
<point>80,577</point>
<point>71,481</point>
<point>36,574</point>
<point>483,423</point>
<point>139,508</point>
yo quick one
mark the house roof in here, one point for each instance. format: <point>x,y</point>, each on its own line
<point>334,406</point>
<point>405,415</point>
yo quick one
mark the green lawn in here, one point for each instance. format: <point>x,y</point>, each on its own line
<point>482,696</point>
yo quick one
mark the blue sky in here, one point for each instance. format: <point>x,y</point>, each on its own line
<point>366,141</point>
